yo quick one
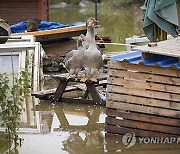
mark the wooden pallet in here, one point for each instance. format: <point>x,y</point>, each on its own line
<point>142,99</point>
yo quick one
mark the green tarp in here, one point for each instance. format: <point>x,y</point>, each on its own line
<point>163,13</point>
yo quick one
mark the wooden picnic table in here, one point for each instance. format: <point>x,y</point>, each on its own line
<point>91,89</point>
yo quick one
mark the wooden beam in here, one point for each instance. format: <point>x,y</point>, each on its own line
<point>144,101</point>
<point>56,33</point>
<point>145,69</point>
<point>143,93</point>
<point>144,76</point>
<point>139,84</point>
<point>144,117</point>
<point>143,109</point>
<point>143,125</point>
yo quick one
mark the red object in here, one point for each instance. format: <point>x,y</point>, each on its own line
<point>14,11</point>
<point>105,39</point>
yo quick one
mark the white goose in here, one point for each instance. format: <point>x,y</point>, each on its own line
<point>73,59</point>
<point>92,60</point>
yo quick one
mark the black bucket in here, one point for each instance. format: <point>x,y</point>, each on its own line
<point>4,31</point>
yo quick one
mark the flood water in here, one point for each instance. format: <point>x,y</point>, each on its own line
<point>117,22</point>
<point>64,128</point>
<point>69,128</point>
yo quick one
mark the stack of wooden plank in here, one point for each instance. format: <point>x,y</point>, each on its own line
<point>142,99</point>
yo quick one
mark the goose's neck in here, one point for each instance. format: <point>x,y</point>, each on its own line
<point>88,34</point>
<point>92,35</point>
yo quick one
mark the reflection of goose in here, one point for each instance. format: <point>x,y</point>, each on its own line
<point>73,59</point>
<point>4,30</point>
<point>92,139</point>
<point>94,142</point>
<point>74,144</point>
<point>32,25</point>
<point>92,60</point>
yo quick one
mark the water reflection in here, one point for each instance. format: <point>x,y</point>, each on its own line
<point>84,124</point>
<point>65,128</point>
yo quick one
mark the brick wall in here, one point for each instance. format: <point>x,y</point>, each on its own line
<point>15,11</point>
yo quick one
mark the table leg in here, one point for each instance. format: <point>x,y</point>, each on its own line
<point>94,93</point>
<point>60,90</point>
<point>85,94</point>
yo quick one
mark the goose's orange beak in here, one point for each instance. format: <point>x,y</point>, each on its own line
<point>96,21</point>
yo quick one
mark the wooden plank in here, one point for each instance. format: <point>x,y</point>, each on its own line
<point>138,133</point>
<point>63,76</point>
<point>144,85</point>
<point>143,109</point>
<point>56,33</point>
<point>142,125</point>
<point>143,117</point>
<point>145,69</point>
<point>48,94</point>
<point>52,91</point>
<point>167,47</point>
<point>144,101</point>
<point>61,35</point>
<point>144,76</point>
<point>143,93</point>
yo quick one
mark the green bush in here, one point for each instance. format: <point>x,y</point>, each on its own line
<point>11,99</point>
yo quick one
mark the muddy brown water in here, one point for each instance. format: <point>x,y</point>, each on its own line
<point>71,128</point>
<point>65,128</point>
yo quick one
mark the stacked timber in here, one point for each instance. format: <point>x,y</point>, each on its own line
<point>142,99</point>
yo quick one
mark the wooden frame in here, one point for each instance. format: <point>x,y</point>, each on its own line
<point>23,48</point>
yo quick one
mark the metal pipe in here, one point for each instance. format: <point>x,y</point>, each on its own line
<point>119,44</point>
<point>96,9</point>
